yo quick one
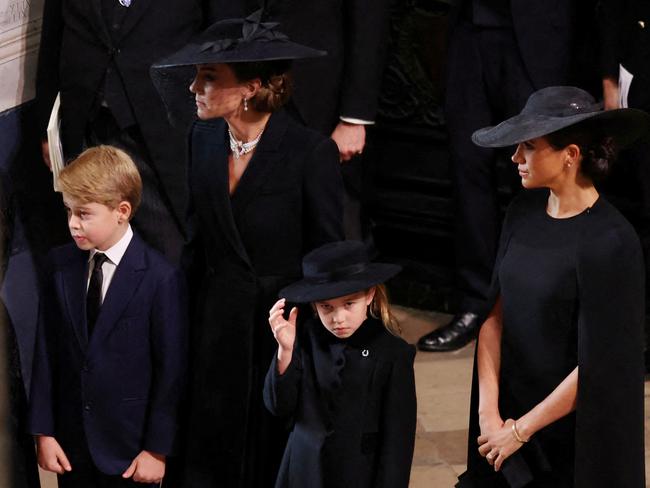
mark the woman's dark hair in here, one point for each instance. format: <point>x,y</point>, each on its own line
<point>599,151</point>
<point>276,82</point>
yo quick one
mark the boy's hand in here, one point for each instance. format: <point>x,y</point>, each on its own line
<point>147,467</point>
<point>51,456</point>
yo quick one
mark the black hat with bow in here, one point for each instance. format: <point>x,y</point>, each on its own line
<point>226,41</point>
<point>239,41</point>
<point>335,270</point>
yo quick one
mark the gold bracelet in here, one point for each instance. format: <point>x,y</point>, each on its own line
<point>515,433</point>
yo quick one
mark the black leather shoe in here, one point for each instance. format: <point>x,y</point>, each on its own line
<point>456,334</point>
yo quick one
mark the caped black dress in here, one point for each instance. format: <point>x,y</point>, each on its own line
<point>572,292</point>
<point>353,405</point>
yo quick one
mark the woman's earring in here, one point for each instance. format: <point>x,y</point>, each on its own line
<point>245,104</point>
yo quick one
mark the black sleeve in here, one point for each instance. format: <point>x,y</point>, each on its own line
<point>47,72</point>
<point>366,39</point>
<point>192,257</point>
<point>169,347</point>
<point>322,196</point>
<point>41,398</point>
<point>281,391</point>
<point>398,423</point>
<point>609,408</point>
<point>609,19</point>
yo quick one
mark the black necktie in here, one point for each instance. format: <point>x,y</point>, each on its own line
<point>94,296</point>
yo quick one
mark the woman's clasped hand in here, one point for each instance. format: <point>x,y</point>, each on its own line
<point>498,442</point>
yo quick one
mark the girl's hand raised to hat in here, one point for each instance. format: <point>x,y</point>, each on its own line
<point>284,332</point>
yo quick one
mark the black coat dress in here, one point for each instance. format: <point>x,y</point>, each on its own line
<point>572,295</point>
<point>245,248</point>
<point>353,405</point>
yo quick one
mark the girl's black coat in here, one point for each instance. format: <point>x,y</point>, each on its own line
<point>354,409</point>
<point>244,249</point>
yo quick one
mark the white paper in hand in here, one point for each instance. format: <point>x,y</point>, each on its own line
<point>54,142</point>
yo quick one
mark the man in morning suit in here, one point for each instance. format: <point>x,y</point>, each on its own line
<point>97,54</point>
<point>338,93</point>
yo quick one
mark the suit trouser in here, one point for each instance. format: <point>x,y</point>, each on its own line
<point>486,83</point>
<point>153,220</point>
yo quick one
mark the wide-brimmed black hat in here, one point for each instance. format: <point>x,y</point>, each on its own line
<point>557,107</point>
<point>226,41</point>
<point>337,269</point>
<point>239,41</point>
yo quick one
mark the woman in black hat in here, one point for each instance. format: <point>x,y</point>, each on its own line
<point>264,191</point>
<point>343,376</point>
<point>557,397</point>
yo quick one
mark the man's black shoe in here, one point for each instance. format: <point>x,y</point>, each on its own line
<point>456,334</point>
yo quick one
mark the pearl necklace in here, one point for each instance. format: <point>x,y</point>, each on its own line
<point>240,148</point>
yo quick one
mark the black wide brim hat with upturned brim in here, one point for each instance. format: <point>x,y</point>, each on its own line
<point>226,41</point>
<point>557,107</point>
<point>239,41</point>
<point>335,270</point>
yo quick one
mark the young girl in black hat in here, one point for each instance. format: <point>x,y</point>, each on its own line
<point>343,376</point>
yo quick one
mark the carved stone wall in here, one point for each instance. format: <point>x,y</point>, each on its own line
<point>20,28</point>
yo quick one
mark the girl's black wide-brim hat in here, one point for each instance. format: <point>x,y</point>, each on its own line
<point>337,269</point>
<point>226,41</point>
<point>557,107</point>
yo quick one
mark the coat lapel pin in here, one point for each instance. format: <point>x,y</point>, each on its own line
<point>365,353</point>
<point>642,24</point>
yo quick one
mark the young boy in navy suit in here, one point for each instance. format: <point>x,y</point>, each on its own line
<point>111,351</point>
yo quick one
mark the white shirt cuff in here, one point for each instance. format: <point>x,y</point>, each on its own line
<point>351,120</point>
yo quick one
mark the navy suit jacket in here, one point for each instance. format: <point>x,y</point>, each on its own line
<point>118,390</point>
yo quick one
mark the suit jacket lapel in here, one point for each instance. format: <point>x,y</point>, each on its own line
<point>266,157</point>
<point>125,282</point>
<point>98,20</point>
<point>74,277</point>
<point>214,165</point>
<point>135,12</point>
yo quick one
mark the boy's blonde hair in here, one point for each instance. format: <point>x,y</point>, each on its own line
<point>103,174</point>
<point>380,309</point>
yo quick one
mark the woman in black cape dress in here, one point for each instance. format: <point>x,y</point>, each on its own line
<point>251,220</point>
<point>561,353</point>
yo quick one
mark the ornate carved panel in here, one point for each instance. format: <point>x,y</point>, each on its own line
<point>20,28</point>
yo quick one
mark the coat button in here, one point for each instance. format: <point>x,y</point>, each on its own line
<point>87,407</point>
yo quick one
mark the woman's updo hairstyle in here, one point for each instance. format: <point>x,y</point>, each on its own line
<point>599,151</point>
<point>276,82</point>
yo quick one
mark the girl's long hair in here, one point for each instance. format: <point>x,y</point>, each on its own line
<point>380,309</point>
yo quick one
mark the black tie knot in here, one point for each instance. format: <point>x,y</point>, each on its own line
<point>99,258</point>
